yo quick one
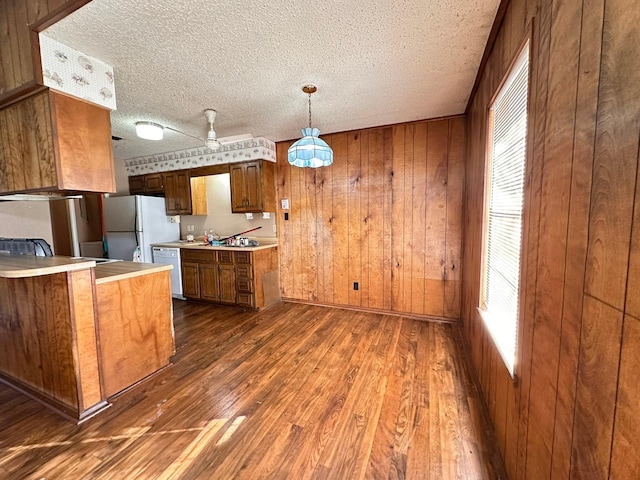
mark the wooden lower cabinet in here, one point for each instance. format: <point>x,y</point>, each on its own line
<point>247,279</point>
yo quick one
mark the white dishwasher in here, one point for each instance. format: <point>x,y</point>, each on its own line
<point>171,256</point>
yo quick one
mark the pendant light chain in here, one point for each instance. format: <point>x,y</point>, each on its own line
<point>309,110</point>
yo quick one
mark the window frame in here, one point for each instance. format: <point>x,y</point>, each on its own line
<point>488,319</point>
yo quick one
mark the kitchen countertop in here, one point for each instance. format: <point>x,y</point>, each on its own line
<point>113,271</point>
<point>32,266</point>
<point>202,246</point>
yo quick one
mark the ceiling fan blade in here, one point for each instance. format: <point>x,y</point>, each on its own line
<point>235,138</point>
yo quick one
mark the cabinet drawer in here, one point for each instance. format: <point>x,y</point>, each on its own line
<point>225,256</point>
<point>244,271</point>
<point>246,299</point>
<point>197,255</point>
<point>243,257</point>
<point>244,285</point>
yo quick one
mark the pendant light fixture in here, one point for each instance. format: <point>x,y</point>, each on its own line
<point>310,150</point>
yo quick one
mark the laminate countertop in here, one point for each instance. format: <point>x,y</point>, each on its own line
<point>202,246</point>
<point>32,266</point>
<point>113,271</point>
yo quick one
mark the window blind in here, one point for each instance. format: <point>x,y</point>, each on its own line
<point>508,127</point>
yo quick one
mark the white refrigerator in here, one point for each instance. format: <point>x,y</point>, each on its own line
<point>136,221</point>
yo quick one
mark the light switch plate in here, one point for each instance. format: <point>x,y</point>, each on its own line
<point>285,203</point>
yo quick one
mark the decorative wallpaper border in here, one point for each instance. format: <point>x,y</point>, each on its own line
<point>258,148</point>
<point>71,71</point>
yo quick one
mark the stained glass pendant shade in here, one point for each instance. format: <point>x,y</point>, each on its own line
<point>310,150</point>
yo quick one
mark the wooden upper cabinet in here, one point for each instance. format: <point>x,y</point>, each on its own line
<point>253,187</point>
<point>149,184</point>
<point>184,195</point>
<point>52,142</point>
<point>20,20</point>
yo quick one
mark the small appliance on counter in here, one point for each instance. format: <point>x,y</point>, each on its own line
<point>25,246</point>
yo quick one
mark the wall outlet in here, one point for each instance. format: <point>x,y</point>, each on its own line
<point>174,219</point>
<point>286,215</point>
<point>355,285</point>
<point>274,228</point>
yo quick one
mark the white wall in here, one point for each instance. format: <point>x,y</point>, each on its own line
<point>122,180</point>
<point>26,219</point>
<point>220,218</point>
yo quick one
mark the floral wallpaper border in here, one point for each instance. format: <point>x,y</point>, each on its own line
<point>258,148</point>
<point>70,71</point>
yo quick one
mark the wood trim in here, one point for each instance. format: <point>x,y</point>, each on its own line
<point>58,14</point>
<point>426,318</point>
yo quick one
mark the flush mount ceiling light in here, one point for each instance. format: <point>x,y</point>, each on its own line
<point>310,150</point>
<point>149,130</point>
<point>155,131</point>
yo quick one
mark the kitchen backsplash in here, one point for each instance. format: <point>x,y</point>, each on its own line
<point>220,219</point>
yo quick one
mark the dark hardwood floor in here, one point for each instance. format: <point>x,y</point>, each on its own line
<point>296,391</point>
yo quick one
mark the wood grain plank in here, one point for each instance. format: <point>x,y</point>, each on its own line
<point>407,226</point>
<point>453,231</point>
<point>285,234</point>
<point>340,223</point>
<point>577,231</point>
<point>15,37</point>
<point>616,156</point>
<point>375,219</point>
<point>596,389</point>
<point>356,197</point>
<point>632,305</point>
<point>387,239</point>
<point>624,459</point>
<point>420,189</point>
<point>296,226</point>
<point>6,53</point>
<point>397,212</point>
<point>437,151</point>
<point>328,238</point>
<point>363,220</point>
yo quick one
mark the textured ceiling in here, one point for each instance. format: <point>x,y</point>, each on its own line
<point>375,62</point>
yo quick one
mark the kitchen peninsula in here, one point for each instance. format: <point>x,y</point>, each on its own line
<point>73,333</point>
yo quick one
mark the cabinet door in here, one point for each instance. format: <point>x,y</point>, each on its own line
<point>227,283</point>
<point>136,185</point>
<point>252,186</point>
<point>190,279</point>
<point>152,183</point>
<point>209,282</point>
<point>236,172</point>
<point>177,193</point>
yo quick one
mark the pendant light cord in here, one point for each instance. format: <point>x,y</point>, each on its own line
<point>309,110</point>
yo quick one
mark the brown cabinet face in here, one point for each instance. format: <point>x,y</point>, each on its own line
<point>237,188</point>
<point>209,282</point>
<point>227,283</point>
<point>191,279</point>
<point>177,192</point>
<point>153,183</point>
<point>246,187</point>
<point>54,142</point>
<point>225,256</point>
<point>136,185</point>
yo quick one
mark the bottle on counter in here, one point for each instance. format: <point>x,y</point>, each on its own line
<point>205,237</point>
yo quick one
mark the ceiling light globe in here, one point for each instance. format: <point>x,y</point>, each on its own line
<point>149,130</point>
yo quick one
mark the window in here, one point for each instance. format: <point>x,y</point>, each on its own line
<point>504,197</point>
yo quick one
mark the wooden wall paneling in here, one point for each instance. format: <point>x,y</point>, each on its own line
<point>36,9</point>
<point>15,148</point>
<point>296,227</point>
<point>616,154</point>
<point>24,39</point>
<point>437,151</point>
<point>518,26</point>
<point>531,223</point>
<point>552,241</point>
<point>311,237</point>
<point>503,385</point>
<point>5,167</point>
<point>14,38</point>
<point>364,225</point>
<point>407,225</point>
<point>419,241</point>
<point>387,236</point>
<point>321,184</point>
<point>453,230</point>
<point>596,389</point>
<point>356,191</point>
<point>398,219</point>
<point>375,219</point>
<point>632,305</point>
<point>577,232</point>
<point>328,239</point>
<point>340,224</point>
<point>285,246</point>
<point>624,453</point>
<point>6,60</point>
